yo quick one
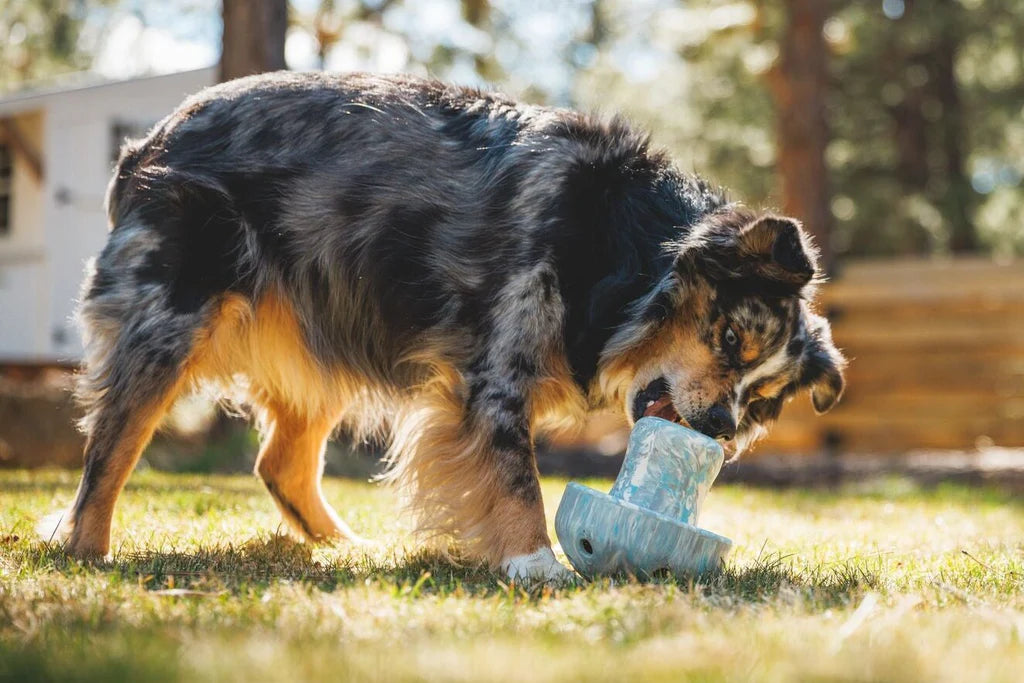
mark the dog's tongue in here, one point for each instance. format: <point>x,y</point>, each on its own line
<point>662,408</point>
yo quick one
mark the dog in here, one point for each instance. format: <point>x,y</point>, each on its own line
<point>443,268</point>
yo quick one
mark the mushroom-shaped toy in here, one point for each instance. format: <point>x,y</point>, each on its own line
<point>647,524</point>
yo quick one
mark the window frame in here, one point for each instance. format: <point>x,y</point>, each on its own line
<point>6,190</point>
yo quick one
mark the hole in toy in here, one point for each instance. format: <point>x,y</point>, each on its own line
<point>587,548</point>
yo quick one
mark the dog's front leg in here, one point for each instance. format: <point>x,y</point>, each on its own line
<point>514,535</point>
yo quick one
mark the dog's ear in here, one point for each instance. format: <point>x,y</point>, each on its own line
<point>822,367</point>
<point>780,249</point>
<point>765,254</point>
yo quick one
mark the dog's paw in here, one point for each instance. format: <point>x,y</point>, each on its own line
<point>538,567</point>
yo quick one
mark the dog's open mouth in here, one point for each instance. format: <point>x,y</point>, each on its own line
<point>656,401</point>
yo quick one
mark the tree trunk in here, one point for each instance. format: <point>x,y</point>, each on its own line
<point>478,14</point>
<point>959,194</point>
<point>253,39</point>
<point>798,84</point>
<point>912,140</point>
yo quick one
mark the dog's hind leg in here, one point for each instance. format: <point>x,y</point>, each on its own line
<point>119,429</point>
<point>137,349</point>
<point>291,464</point>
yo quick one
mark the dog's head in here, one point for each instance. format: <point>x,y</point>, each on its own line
<point>727,335</point>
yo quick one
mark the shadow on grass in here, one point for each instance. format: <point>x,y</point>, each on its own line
<point>56,487</point>
<point>263,562</point>
<point>768,577</point>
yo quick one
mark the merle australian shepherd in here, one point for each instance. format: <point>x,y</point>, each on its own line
<point>443,268</point>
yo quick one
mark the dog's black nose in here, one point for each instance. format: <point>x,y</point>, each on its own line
<point>717,423</point>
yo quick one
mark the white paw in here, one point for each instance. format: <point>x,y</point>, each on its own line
<point>537,567</point>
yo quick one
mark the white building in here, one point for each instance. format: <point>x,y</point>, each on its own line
<point>57,150</point>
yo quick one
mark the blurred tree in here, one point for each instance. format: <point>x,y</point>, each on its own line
<point>697,77</point>
<point>901,141</point>
<point>39,38</point>
<point>326,26</point>
<point>477,14</point>
<point>799,82</point>
<point>922,103</point>
<point>990,72</point>
<point>328,22</point>
<point>253,37</point>
<point>959,197</point>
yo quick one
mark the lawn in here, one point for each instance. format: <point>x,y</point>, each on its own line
<point>880,582</point>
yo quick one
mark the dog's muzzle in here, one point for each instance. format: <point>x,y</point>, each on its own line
<point>656,400</point>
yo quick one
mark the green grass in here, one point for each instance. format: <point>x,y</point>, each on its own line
<point>884,582</point>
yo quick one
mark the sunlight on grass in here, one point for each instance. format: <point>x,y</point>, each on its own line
<point>882,582</point>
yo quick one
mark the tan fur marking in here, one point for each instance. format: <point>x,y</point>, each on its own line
<point>266,346</point>
<point>616,373</point>
<point>91,534</point>
<point>750,348</point>
<point>513,528</point>
<point>259,358</point>
<point>291,465</point>
<point>773,388</point>
<point>758,237</point>
<point>445,470</point>
<point>557,405</point>
<point>448,475</point>
<point>442,470</point>
<point>675,351</point>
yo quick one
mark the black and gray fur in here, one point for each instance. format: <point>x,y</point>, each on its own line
<point>396,215</point>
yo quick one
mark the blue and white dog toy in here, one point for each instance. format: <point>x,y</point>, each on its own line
<point>646,525</point>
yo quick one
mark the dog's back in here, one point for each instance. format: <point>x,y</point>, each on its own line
<point>402,199</point>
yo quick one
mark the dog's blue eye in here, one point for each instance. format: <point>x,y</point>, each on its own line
<point>730,337</point>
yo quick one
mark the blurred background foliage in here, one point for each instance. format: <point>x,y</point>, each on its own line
<point>921,104</point>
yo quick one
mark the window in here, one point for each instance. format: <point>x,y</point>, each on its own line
<point>5,190</point>
<point>121,130</point>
